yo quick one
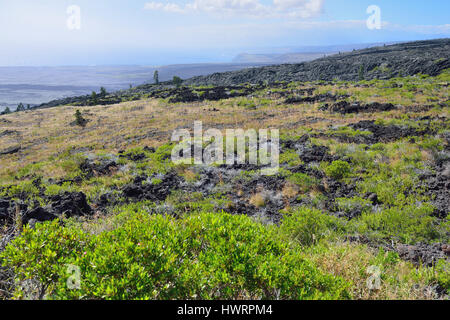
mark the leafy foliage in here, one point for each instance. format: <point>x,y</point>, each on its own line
<point>338,169</point>
<point>204,256</point>
<point>79,120</point>
<point>308,226</point>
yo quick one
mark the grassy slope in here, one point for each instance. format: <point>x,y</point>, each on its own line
<point>52,148</point>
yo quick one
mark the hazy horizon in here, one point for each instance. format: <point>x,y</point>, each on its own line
<point>114,43</point>
<point>155,33</point>
<point>229,58</point>
<point>34,85</point>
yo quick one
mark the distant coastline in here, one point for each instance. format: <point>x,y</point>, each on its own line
<point>36,85</point>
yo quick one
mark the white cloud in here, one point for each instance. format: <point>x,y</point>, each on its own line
<point>300,8</point>
<point>168,7</point>
<point>279,8</point>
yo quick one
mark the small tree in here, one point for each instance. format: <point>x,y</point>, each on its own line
<point>94,97</point>
<point>7,110</point>
<point>156,77</point>
<point>79,120</point>
<point>103,92</point>
<point>177,81</point>
<point>361,73</point>
<point>20,107</point>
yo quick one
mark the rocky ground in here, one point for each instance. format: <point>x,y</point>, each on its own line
<point>421,57</point>
<point>426,57</point>
<point>374,155</point>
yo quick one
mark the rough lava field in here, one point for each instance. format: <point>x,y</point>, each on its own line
<point>364,184</point>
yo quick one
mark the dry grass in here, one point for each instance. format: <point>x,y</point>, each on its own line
<point>47,132</point>
<point>189,175</point>
<point>258,200</point>
<point>352,262</point>
<point>290,190</point>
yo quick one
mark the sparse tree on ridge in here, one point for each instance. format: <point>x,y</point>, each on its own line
<point>156,77</point>
<point>177,81</point>
<point>20,107</point>
<point>94,97</point>
<point>361,73</point>
<point>103,92</point>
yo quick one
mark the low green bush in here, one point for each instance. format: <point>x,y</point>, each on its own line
<point>22,188</point>
<point>442,274</point>
<point>303,181</point>
<point>394,186</point>
<point>291,158</point>
<point>203,256</point>
<point>355,203</point>
<point>338,169</point>
<point>408,224</point>
<point>307,226</point>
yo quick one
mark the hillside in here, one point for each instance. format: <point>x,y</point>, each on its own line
<point>279,58</point>
<point>405,59</point>
<point>423,57</point>
<point>357,210</point>
<point>37,85</point>
<point>301,53</point>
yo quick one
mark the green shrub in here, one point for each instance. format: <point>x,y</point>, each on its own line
<point>408,224</point>
<point>442,271</point>
<point>177,81</point>
<point>308,226</point>
<point>204,256</point>
<point>394,186</point>
<point>304,181</point>
<point>291,158</point>
<point>42,253</point>
<point>33,170</point>
<point>355,203</point>
<point>345,131</point>
<point>79,120</point>
<point>24,188</point>
<point>338,169</point>
<point>247,104</point>
<point>54,189</point>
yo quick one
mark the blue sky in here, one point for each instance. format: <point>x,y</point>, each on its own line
<point>154,32</point>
